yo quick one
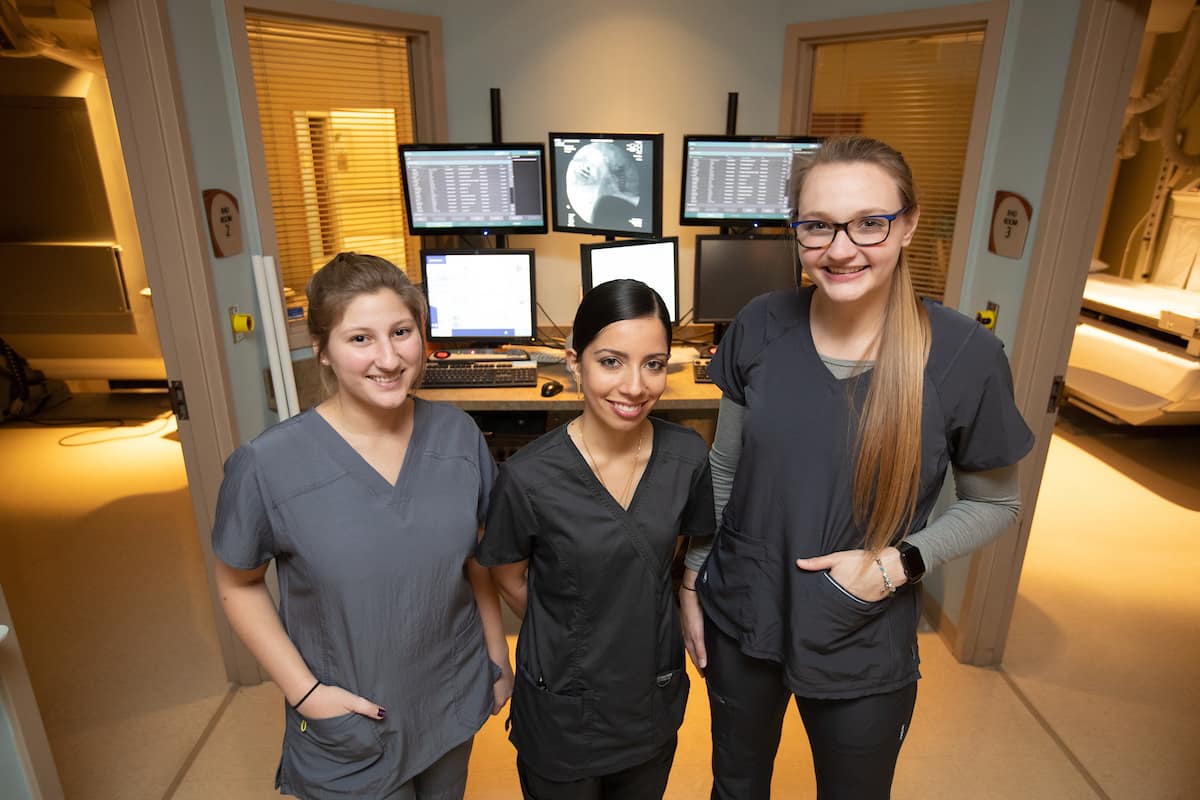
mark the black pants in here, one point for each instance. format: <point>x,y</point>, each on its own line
<point>855,743</point>
<point>646,781</point>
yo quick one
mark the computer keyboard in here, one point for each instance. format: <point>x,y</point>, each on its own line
<point>700,370</point>
<point>481,374</point>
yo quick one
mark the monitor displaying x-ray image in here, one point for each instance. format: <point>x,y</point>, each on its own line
<point>607,183</point>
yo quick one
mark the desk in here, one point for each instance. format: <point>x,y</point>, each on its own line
<point>512,416</point>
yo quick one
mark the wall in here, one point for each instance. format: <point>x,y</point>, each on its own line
<point>95,355</point>
<point>1032,75</point>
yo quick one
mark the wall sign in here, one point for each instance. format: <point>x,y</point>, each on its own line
<point>1010,225</point>
<point>224,222</point>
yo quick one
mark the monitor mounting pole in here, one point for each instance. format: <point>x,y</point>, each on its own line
<point>730,130</point>
<point>497,138</point>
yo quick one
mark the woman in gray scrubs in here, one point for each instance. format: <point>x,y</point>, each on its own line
<point>387,643</point>
<point>843,405</point>
<point>582,531</point>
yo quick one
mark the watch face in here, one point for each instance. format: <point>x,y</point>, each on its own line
<point>911,560</point>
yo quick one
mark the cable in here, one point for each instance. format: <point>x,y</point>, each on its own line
<point>164,422</point>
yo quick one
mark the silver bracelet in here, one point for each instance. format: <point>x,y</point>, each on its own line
<point>887,582</point>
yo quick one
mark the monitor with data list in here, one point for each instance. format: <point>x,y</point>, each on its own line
<point>480,295</point>
<point>738,180</point>
<point>474,188</point>
<point>731,271</point>
<point>654,263</point>
<point>607,183</point>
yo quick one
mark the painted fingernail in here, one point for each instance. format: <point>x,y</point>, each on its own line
<point>382,711</point>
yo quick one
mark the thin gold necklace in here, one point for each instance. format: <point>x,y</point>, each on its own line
<point>632,470</point>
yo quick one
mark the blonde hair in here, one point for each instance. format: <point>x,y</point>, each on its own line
<point>348,275</point>
<point>887,468</point>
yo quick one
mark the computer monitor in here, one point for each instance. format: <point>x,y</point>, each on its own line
<point>480,295</point>
<point>474,188</point>
<point>607,183</point>
<point>731,271</point>
<point>654,263</point>
<point>738,180</point>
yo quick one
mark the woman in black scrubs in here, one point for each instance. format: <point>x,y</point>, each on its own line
<point>582,530</point>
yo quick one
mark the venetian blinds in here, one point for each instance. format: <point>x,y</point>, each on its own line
<point>334,102</point>
<point>917,94</point>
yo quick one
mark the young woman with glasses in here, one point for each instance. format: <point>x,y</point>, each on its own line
<point>843,405</point>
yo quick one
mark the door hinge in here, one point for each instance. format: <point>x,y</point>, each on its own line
<point>1056,392</point>
<point>178,400</point>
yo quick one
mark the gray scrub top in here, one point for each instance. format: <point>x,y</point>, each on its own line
<point>372,590</point>
<point>793,492</point>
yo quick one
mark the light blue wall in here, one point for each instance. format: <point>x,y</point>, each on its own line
<point>219,156</point>
<point>13,783</point>
<point>1032,75</point>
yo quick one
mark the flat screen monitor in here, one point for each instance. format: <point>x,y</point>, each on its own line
<point>474,188</point>
<point>738,180</point>
<point>731,271</point>
<point>480,295</point>
<point>607,183</point>
<point>654,263</point>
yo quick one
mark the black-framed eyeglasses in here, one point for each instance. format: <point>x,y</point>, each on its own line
<point>817,234</point>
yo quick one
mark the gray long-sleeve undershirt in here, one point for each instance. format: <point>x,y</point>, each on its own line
<point>988,501</point>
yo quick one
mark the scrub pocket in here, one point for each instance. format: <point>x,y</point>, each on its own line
<point>670,701</point>
<point>331,757</point>
<point>836,619</point>
<point>548,728</point>
<point>745,559</point>
<point>469,676</point>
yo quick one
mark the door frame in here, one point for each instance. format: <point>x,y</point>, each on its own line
<point>18,701</point>
<point>140,62</point>
<point>1108,38</point>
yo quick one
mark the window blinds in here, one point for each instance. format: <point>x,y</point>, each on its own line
<point>916,93</point>
<point>334,102</point>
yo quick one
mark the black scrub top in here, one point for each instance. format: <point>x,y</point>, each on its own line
<point>792,494</point>
<point>600,683</point>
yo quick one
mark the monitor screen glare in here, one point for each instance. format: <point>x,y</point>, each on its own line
<point>475,188</point>
<point>609,184</point>
<point>738,181</point>
<point>655,264</point>
<point>482,295</point>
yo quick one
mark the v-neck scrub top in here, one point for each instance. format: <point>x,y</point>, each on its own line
<point>372,590</point>
<point>793,491</point>
<point>600,681</point>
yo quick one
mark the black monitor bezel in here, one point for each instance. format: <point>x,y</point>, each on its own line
<point>585,262</point>
<point>533,306</point>
<point>734,222</point>
<point>697,316</point>
<point>469,230</point>
<point>656,169</point>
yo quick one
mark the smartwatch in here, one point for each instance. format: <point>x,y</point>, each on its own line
<point>911,562</point>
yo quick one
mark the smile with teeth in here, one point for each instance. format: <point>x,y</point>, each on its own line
<point>386,380</point>
<point>627,409</point>
<point>845,270</point>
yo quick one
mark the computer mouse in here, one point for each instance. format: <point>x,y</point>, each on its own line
<point>551,388</point>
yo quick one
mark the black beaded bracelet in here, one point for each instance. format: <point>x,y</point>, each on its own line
<point>306,695</point>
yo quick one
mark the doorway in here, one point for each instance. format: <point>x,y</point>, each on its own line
<point>100,560</point>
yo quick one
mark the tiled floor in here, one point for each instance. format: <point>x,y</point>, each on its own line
<point>1097,698</point>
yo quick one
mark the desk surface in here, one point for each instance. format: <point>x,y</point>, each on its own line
<point>682,394</point>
